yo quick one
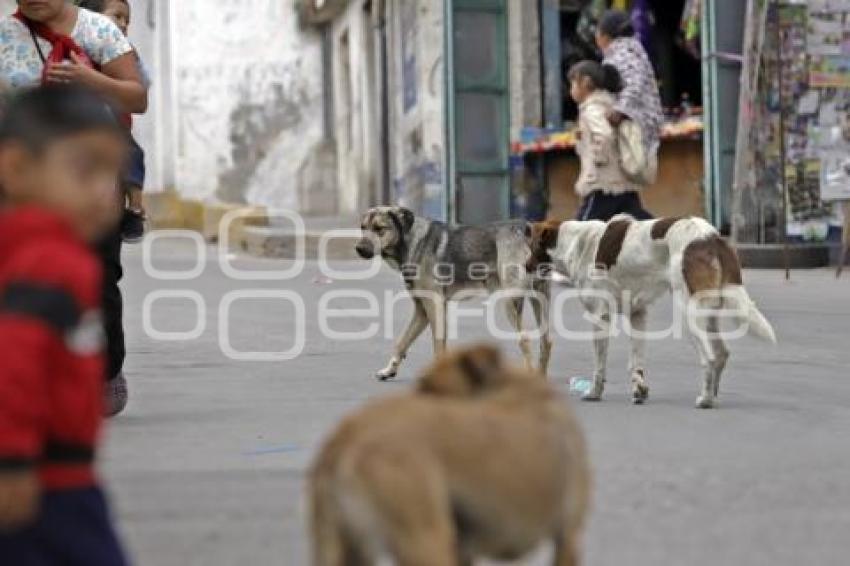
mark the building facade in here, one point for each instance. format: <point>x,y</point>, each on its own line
<point>440,100</point>
<point>240,113</point>
<point>330,106</point>
<point>236,103</point>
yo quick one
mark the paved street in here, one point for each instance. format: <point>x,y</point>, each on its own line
<point>206,466</point>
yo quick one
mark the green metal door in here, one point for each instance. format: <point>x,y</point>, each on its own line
<point>478,110</point>
<point>723,39</point>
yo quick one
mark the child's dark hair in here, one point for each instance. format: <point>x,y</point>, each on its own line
<point>616,24</point>
<point>98,5</point>
<point>93,5</point>
<point>41,116</point>
<point>606,77</point>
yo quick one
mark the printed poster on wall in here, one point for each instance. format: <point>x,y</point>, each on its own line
<point>829,72</point>
<point>835,175</point>
<point>826,35</point>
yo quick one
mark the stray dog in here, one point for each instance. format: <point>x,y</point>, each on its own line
<point>438,262</point>
<point>634,263</point>
<point>433,477</point>
<point>470,372</point>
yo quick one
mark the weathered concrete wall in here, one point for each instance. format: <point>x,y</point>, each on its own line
<point>148,19</point>
<point>417,121</point>
<point>249,100</point>
<point>356,92</point>
<point>236,104</point>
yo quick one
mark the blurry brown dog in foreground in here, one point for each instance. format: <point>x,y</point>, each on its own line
<point>483,460</point>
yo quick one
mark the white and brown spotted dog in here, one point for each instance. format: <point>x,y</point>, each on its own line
<point>629,264</point>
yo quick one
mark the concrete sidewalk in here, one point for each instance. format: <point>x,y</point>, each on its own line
<point>207,465</point>
<point>333,238</point>
<point>258,231</point>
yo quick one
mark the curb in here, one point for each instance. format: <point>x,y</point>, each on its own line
<point>251,233</point>
<point>170,212</point>
<point>772,256</point>
<point>278,243</point>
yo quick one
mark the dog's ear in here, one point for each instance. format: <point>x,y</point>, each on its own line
<point>463,373</point>
<point>365,219</point>
<point>407,217</point>
<point>480,365</point>
<point>549,234</point>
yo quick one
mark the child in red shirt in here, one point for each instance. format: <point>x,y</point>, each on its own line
<point>61,151</point>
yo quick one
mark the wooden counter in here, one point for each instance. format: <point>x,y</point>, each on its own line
<point>677,192</point>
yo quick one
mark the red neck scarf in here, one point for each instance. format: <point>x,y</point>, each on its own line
<point>61,45</point>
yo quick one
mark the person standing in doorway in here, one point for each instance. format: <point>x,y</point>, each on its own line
<point>55,42</point>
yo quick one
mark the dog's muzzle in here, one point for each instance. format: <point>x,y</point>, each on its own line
<point>365,249</point>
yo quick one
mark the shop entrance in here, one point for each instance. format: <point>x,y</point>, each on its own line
<point>670,31</point>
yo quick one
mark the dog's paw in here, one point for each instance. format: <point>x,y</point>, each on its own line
<point>705,402</point>
<point>592,396</point>
<point>640,393</point>
<point>386,374</point>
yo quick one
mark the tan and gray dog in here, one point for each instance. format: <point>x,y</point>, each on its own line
<point>439,263</point>
<point>483,460</point>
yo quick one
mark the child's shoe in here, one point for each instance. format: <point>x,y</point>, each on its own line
<point>115,396</point>
<point>133,226</point>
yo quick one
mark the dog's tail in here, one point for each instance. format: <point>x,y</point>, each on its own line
<point>758,325</point>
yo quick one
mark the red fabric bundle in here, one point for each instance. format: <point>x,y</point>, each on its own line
<point>61,48</point>
<point>61,45</point>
